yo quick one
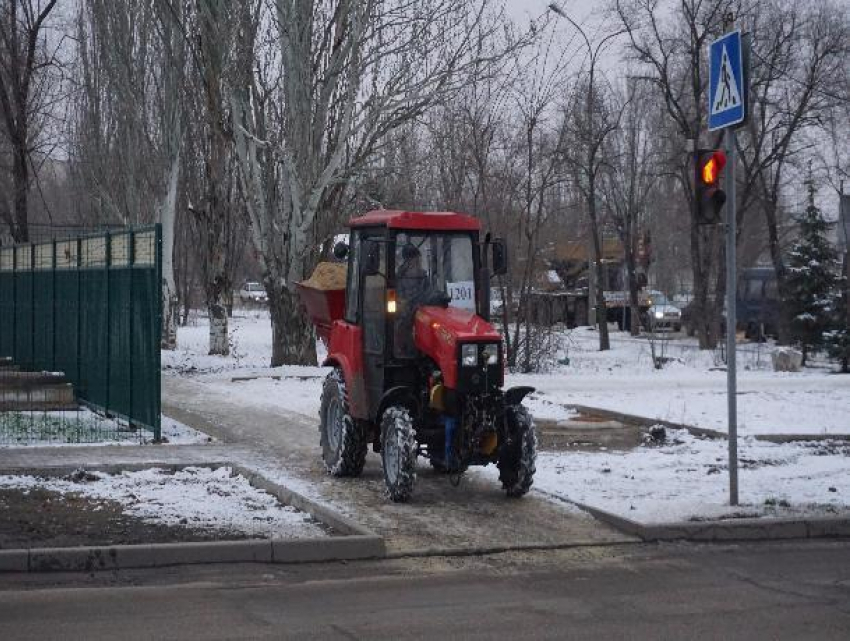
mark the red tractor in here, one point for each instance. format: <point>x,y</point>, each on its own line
<point>418,368</point>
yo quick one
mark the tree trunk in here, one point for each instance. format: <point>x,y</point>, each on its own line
<point>601,309</point>
<point>216,288</point>
<point>783,328</point>
<point>293,340</point>
<point>631,275</point>
<point>716,306</point>
<point>20,178</point>
<point>219,345</point>
<point>170,300</point>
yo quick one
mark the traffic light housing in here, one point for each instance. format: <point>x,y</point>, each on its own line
<point>710,198</point>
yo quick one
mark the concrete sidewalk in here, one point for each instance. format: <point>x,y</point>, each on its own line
<point>475,515</point>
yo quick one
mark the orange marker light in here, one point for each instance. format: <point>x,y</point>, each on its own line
<point>391,302</point>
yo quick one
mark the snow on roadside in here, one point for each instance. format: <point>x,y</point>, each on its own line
<point>196,497</point>
<point>542,408</point>
<point>178,433</point>
<point>687,479</point>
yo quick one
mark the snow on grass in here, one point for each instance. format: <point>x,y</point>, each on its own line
<point>195,497</point>
<point>250,339</point>
<point>691,389</point>
<point>687,479</point>
<point>84,427</point>
<point>245,376</point>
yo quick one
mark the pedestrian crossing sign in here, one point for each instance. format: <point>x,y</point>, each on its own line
<point>726,82</point>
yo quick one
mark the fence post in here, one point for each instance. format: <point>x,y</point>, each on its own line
<point>131,265</point>
<point>157,365</point>
<point>79,350</point>
<point>14,303</point>
<point>53,310</point>
<point>32,306</point>
<point>107,260</point>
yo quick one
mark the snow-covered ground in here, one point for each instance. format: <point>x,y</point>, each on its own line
<point>196,497</point>
<point>687,478</point>
<point>690,389</point>
<point>682,479</point>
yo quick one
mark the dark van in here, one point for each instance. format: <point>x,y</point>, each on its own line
<point>757,303</point>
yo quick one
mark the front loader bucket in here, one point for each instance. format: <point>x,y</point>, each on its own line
<point>323,295</point>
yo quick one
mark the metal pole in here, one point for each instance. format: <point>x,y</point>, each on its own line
<point>731,319</point>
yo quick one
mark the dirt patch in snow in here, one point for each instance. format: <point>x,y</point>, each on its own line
<point>147,506</point>
<point>37,517</point>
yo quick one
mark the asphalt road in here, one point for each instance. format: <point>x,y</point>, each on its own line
<point>795,591</point>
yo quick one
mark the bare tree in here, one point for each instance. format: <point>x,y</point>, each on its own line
<point>592,121</point>
<point>673,54</point>
<point>352,72</point>
<point>171,118</point>
<point>799,55</point>
<point>629,182</point>
<point>216,44</point>
<point>24,61</point>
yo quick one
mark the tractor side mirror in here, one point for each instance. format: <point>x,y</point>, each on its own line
<point>341,250</point>
<point>371,258</point>
<point>500,257</point>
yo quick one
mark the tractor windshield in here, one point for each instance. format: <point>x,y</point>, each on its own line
<point>431,268</point>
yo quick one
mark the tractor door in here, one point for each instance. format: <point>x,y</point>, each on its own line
<point>373,315</point>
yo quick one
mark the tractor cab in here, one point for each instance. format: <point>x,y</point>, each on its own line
<point>419,369</point>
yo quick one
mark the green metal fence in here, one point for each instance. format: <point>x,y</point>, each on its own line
<point>89,307</point>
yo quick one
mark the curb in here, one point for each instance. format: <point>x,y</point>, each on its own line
<point>642,421</point>
<point>356,541</point>
<point>751,529</point>
<point>122,557</point>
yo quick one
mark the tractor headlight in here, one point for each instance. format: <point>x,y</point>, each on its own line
<point>469,355</point>
<point>491,354</point>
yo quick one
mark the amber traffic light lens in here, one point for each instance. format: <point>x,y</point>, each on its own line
<point>712,168</point>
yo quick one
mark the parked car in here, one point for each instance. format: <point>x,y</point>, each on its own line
<point>662,315</point>
<point>252,293</point>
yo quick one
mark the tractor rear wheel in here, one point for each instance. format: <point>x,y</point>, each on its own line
<point>518,456</point>
<point>398,452</point>
<point>343,440</point>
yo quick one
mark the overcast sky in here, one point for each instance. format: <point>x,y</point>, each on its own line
<point>577,9</point>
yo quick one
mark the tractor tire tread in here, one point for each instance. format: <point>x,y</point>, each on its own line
<point>398,418</point>
<point>354,442</point>
<point>518,459</point>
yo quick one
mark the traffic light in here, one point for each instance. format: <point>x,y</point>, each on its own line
<point>709,196</point>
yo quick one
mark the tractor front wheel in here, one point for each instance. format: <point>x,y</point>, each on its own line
<point>344,443</point>
<point>518,455</point>
<point>398,452</point>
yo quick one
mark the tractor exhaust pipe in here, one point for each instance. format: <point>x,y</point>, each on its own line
<point>484,280</point>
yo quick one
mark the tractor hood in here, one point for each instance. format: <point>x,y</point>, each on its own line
<point>439,331</point>
<point>452,325</point>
